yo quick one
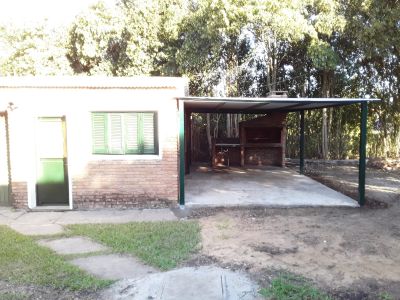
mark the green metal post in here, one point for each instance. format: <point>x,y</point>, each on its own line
<point>302,142</point>
<point>181,153</point>
<point>363,153</point>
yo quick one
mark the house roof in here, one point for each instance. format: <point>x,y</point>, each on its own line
<point>93,82</point>
<point>262,105</point>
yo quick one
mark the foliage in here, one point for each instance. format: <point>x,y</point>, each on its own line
<point>22,261</point>
<point>108,42</point>
<point>38,50</point>
<point>288,287</point>
<point>310,48</point>
<point>160,244</point>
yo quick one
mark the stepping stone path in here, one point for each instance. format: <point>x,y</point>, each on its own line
<point>37,229</point>
<point>211,283</point>
<point>110,266</point>
<point>113,266</point>
<point>74,245</point>
<point>140,282</point>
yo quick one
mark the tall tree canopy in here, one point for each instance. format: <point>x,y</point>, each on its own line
<point>310,48</point>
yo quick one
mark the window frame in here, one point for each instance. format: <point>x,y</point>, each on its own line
<point>107,134</point>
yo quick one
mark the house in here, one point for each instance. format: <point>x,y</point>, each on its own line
<point>103,142</point>
<point>89,142</point>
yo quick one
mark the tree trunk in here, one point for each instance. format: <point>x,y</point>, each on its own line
<point>209,134</point>
<point>216,127</point>
<point>326,87</point>
<point>228,126</point>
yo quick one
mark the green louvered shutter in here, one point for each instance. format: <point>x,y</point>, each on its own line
<point>116,134</point>
<point>148,133</point>
<point>99,133</point>
<point>131,133</point>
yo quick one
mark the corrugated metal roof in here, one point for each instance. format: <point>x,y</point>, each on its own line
<point>262,105</point>
<point>93,82</point>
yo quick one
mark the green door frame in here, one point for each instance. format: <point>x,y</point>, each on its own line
<point>43,189</point>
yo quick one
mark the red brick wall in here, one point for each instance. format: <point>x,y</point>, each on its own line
<point>263,156</point>
<point>19,194</point>
<point>124,184</point>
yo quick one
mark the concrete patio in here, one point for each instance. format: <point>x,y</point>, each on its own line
<point>266,186</point>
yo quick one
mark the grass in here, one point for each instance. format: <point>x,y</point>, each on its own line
<point>385,296</point>
<point>160,244</point>
<point>12,296</point>
<point>23,261</point>
<point>291,287</point>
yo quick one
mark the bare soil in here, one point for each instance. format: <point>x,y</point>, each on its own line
<point>353,253</point>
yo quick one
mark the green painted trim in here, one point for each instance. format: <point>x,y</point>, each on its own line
<point>301,142</point>
<point>105,137</point>
<point>181,153</point>
<point>156,144</point>
<point>140,133</point>
<point>363,153</point>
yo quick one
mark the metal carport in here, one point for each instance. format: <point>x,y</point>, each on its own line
<point>188,105</point>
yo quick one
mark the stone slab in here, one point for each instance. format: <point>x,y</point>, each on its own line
<point>113,266</point>
<point>37,229</point>
<point>73,245</point>
<point>11,213</point>
<point>201,283</point>
<point>4,220</point>
<point>47,217</point>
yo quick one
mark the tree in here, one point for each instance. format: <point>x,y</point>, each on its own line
<point>39,50</point>
<point>116,41</point>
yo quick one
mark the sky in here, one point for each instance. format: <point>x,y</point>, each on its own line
<point>57,12</point>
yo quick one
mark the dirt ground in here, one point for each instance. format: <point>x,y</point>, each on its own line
<point>350,252</point>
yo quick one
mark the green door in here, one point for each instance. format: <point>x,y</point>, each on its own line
<point>4,200</point>
<point>52,169</point>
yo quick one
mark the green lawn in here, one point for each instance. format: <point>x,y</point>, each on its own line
<point>291,287</point>
<point>23,261</point>
<point>160,244</point>
<point>12,296</point>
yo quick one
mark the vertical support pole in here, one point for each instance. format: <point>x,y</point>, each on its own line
<point>302,142</point>
<point>363,153</point>
<point>181,153</point>
<point>7,125</point>
<point>189,141</point>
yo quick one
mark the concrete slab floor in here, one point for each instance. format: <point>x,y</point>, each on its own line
<point>267,186</point>
<point>51,222</point>
<point>37,229</point>
<point>115,216</point>
<point>113,266</point>
<point>73,245</point>
<point>209,283</point>
<point>38,218</point>
<point>11,213</point>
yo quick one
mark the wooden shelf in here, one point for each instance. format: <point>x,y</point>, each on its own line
<point>263,145</point>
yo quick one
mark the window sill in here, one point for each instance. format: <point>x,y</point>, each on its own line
<point>125,157</point>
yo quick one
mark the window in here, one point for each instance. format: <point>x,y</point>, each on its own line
<point>124,133</point>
